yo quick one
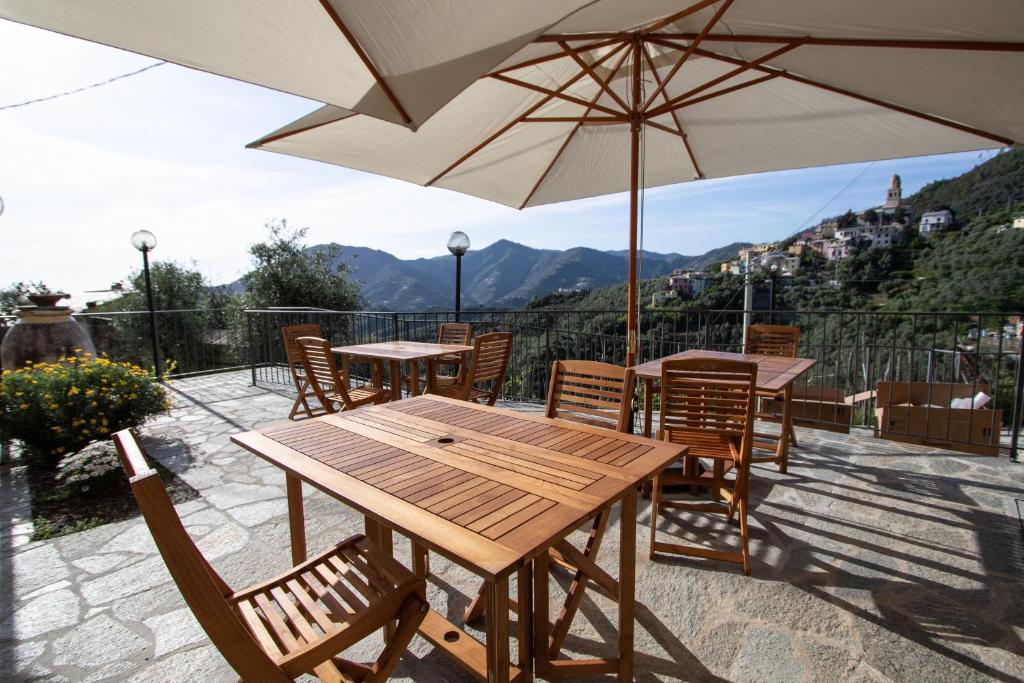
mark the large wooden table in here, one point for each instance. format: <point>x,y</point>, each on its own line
<point>775,375</point>
<point>490,489</point>
<point>398,352</point>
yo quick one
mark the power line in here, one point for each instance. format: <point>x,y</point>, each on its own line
<point>835,197</point>
<point>83,88</point>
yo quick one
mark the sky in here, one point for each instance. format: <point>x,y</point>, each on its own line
<point>165,151</point>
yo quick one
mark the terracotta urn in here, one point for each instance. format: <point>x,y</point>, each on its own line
<point>43,333</point>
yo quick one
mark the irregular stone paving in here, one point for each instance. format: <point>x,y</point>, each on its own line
<point>874,561</point>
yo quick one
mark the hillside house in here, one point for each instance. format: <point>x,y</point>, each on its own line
<point>688,283</point>
<point>937,221</point>
<point>1018,222</point>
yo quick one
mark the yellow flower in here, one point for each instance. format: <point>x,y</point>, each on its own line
<point>54,406</point>
<point>23,406</point>
<point>73,391</point>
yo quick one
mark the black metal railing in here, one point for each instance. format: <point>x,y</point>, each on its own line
<point>854,350</point>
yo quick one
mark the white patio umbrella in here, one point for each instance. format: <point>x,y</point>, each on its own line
<point>399,61</point>
<point>621,96</point>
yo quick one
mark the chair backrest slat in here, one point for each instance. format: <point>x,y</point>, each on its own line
<point>589,392</point>
<point>202,588</point>
<point>773,340</point>
<point>454,333</point>
<point>491,353</point>
<point>709,405</point>
<point>322,372</point>
<point>291,334</point>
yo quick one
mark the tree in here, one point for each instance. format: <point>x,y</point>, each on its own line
<point>16,294</point>
<point>288,273</point>
<point>846,220</point>
<point>870,216</point>
<point>190,326</point>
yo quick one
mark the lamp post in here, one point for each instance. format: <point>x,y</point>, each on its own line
<point>145,241</point>
<point>458,244</point>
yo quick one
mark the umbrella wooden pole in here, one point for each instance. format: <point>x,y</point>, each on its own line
<point>634,191</point>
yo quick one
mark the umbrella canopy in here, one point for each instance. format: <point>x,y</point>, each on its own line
<point>396,61</point>
<point>620,95</point>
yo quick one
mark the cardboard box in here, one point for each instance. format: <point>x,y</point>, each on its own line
<point>966,430</point>
<point>813,407</point>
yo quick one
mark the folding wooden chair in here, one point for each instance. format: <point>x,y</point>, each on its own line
<point>448,333</point>
<point>291,333</point>
<point>772,340</point>
<point>296,623</point>
<point>486,375</point>
<point>330,387</point>
<point>597,394</point>
<point>708,404</point>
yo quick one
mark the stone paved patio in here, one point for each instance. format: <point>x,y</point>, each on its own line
<point>873,562</point>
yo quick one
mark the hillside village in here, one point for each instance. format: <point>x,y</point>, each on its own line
<point>888,226</point>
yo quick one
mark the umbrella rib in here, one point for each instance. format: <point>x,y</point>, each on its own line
<point>590,72</point>
<point>969,45</point>
<point>694,44</point>
<point>675,117</point>
<point>504,129</point>
<point>626,35</point>
<point>867,98</point>
<point>556,55</point>
<point>726,91</point>
<point>572,133</point>
<point>553,93</point>
<point>724,77</point>
<point>281,136</point>
<point>367,62</point>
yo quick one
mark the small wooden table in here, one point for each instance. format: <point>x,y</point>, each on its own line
<point>398,352</point>
<point>775,374</point>
<point>490,489</point>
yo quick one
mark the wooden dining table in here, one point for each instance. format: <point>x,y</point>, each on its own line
<point>492,490</point>
<point>775,375</point>
<point>399,353</point>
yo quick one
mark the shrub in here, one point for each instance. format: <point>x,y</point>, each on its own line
<point>57,408</point>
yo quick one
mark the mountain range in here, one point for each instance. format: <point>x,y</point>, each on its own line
<point>502,275</point>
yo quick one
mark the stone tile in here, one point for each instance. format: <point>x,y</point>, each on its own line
<point>254,514</point>
<point>101,640</point>
<point>228,495</point>
<point>174,630</point>
<point>123,582</point>
<point>200,664</point>
<point>38,567</point>
<point>765,656</point>
<point>46,613</point>
<point>99,564</point>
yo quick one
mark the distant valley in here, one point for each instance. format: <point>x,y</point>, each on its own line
<point>502,275</point>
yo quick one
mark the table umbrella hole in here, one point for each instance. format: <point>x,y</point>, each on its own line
<point>451,636</point>
<point>446,439</point>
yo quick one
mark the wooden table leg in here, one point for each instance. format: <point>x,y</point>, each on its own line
<point>296,518</point>
<point>524,600</point>
<point>541,625</point>
<point>648,406</point>
<point>413,371</point>
<point>785,428</point>
<point>395,373</point>
<point>497,631</point>
<point>420,560</point>
<point>627,584</point>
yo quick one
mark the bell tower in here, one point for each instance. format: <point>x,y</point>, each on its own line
<point>894,194</point>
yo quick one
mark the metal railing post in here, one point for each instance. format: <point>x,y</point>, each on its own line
<point>394,325</point>
<point>1018,403</point>
<point>251,343</point>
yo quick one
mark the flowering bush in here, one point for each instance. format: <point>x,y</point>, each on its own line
<point>58,408</point>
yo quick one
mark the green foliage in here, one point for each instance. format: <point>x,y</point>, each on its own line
<point>186,338</point>
<point>285,273</point>
<point>16,294</point>
<point>58,408</point>
<point>988,187</point>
